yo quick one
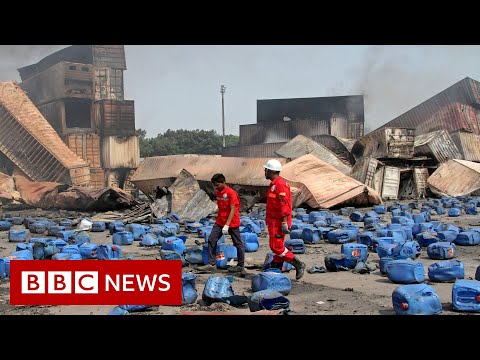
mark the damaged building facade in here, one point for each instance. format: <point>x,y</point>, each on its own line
<point>280,120</point>
<point>80,91</point>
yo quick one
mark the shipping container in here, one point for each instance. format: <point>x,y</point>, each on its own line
<point>114,117</point>
<point>112,56</point>
<point>65,79</point>
<point>259,150</point>
<point>349,107</point>
<point>386,143</point>
<point>69,115</point>
<point>29,141</point>
<point>253,134</point>
<point>437,145</point>
<point>87,146</point>
<point>468,145</point>
<point>391,183</point>
<point>420,176</point>
<point>120,152</point>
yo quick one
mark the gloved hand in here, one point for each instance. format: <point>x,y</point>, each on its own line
<point>225,230</point>
<point>285,228</point>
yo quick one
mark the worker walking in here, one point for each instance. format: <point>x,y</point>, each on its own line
<point>228,222</point>
<point>279,218</point>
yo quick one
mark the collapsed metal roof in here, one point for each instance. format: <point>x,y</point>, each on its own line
<point>163,170</point>
<point>323,186</point>
<point>301,145</point>
<point>31,143</point>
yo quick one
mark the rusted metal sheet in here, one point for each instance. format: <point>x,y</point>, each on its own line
<point>438,145</point>
<point>468,145</point>
<point>97,178</point>
<point>386,143</point>
<point>364,169</point>
<point>339,146</point>
<point>52,195</point>
<point>163,170</point>
<point>455,178</point>
<point>86,146</point>
<point>323,186</point>
<point>301,145</point>
<point>450,110</point>
<point>420,176</point>
<point>259,150</point>
<point>29,141</point>
<point>182,190</point>
<point>54,113</point>
<point>64,79</point>
<point>284,131</point>
<point>391,183</point>
<point>198,206</point>
<point>120,152</point>
<point>114,117</point>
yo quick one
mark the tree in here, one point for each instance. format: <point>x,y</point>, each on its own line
<point>172,142</point>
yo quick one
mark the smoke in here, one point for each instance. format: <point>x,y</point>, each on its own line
<point>394,79</point>
<point>17,56</point>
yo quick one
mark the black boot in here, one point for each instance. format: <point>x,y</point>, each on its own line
<point>299,267</point>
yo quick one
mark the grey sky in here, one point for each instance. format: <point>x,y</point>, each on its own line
<point>178,86</point>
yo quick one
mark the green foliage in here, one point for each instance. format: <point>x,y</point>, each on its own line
<point>206,142</point>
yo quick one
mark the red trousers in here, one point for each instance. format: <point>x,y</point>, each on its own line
<point>277,238</point>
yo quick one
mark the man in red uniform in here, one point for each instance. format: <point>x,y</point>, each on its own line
<point>228,222</point>
<point>279,218</point>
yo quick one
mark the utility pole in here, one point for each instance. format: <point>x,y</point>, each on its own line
<point>222,91</point>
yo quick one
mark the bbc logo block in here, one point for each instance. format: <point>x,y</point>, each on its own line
<point>93,282</point>
<point>60,282</point>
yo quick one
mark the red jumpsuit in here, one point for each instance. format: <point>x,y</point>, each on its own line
<point>279,204</point>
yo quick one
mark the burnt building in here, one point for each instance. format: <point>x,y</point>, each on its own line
<point>280,120</point>
<point>80,91</point>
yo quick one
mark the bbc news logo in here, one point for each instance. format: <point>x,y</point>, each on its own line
<point>93,282</point>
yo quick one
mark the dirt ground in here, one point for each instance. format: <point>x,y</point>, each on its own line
<point>331,293</point>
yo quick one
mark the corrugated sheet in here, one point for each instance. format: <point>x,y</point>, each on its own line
<point>259,150</point>
<point>87,146</point>
<point>112,56</point>
<point>391,183</point>
<point>386,143</point>
<point>301,145</point>
<point>420,176</point>
<point>323,186</point>
<point>455,178</point>
<point>282,131</point>
<point>468,145</point>
<point>237,170</point>
<point>32,144</point>
<point>120,152</point>
<point>364,169</point>
<point>450,110</point>
<point>438,145</point>
<point>115,117</point>
<point>340,146</point>
<point>97,178</point>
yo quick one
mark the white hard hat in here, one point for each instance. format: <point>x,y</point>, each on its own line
<point>274,165</point>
